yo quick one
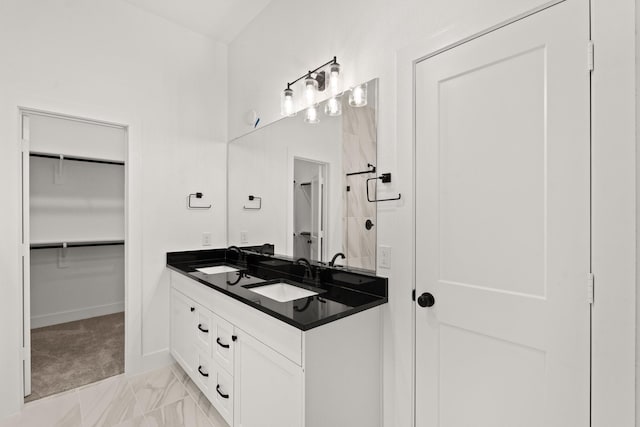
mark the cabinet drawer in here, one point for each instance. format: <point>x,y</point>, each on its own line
<point>222,394</point>
<point>223,343</point>
<point>216,384</point>
<point>204,328</point>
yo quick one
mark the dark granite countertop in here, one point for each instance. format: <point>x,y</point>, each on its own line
<point>341,291</point>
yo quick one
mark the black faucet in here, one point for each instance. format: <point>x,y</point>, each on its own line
<point>307,264</point>
<point>333,260</point>
<point>236,249</point>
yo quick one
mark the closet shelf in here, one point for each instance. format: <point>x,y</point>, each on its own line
<point>75,244</point>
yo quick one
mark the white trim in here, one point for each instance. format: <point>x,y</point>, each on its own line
<point>325,166</point>
<point>43,113</point>
<point>135,361</point>
<point>26,255</point>
<point>614,213</point>
<point>73,315</point>
<point>407,59</point>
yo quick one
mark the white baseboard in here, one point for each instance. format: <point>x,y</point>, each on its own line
<point>148,362</point>
<point>72,315</point>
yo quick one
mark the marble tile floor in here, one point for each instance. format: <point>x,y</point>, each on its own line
<point>162,398</point>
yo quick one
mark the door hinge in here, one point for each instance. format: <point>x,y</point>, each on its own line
<point>590,292</point>
<point>23,353</point>
<point>413,295</point>
<point>590,55</point>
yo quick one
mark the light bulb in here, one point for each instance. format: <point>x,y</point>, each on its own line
<point>286,104</point>
<point>334,78</point>
<point>333,107</point>
<point>358,96</point>
<point>312,115</point>
<point>310,89</point>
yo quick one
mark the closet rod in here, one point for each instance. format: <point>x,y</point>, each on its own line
<point>77,159</point>
<point>76,244</point>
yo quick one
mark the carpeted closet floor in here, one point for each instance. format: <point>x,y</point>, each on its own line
<point>73,354</point>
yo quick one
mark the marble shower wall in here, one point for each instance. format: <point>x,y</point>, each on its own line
<point>359,148</point>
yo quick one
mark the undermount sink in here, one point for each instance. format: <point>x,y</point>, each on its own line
<point>281,291</point>
<point>217,269</point>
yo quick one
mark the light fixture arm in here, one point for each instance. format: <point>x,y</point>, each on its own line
<point>333,61</point>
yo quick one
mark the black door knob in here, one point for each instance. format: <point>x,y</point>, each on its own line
<point>368,225</point>
<point>426,300</point>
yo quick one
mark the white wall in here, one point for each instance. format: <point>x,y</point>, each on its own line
<point>106,60</point>
<point>374,39</point>
<point>84,282</point>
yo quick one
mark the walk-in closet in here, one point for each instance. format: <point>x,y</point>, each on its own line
<point>74,262</point>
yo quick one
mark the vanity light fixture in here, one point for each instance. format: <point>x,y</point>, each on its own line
<point>334,78</point>
<point>358,96</point>
<point>310,89</point>
<point>311,116</point>
<point>286,104</point>
<point>314,81</point>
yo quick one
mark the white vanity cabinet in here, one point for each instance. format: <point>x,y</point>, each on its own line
<point>259,371</point>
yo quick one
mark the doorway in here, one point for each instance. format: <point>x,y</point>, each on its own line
<point>73,186</point>
<point>309,209</point>
<point>502,246</point>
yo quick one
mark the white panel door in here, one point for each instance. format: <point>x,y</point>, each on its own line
<point>317,189</point>
<point>502,227</point>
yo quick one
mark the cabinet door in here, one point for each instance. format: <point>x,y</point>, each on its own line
<point>183,317</point>
<point>268,386</point>
<point>204,328</point>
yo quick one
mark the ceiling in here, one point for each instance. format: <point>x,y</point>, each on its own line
<point>221,20</point>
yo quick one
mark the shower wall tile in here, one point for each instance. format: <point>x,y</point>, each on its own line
<point>359,150</point>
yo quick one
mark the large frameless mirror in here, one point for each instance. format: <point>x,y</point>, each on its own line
<point>300,184</point>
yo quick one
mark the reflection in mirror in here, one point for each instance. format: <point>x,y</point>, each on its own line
<point>302,186</point>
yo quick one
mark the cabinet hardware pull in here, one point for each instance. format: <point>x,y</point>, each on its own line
<point>222,345</point>
<point>204,374</point>
<point>206,331</point>
<point>193,309</point>
<point>224,396</point>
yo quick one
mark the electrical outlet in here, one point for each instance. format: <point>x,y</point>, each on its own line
<point>385,256</point>
<point>244,237</point>
<point>206,238</point>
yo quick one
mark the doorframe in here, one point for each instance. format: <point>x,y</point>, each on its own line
<point>325,200</point>
<point>613,83</point>
<point>615,181</point>
<point>133,355</point>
